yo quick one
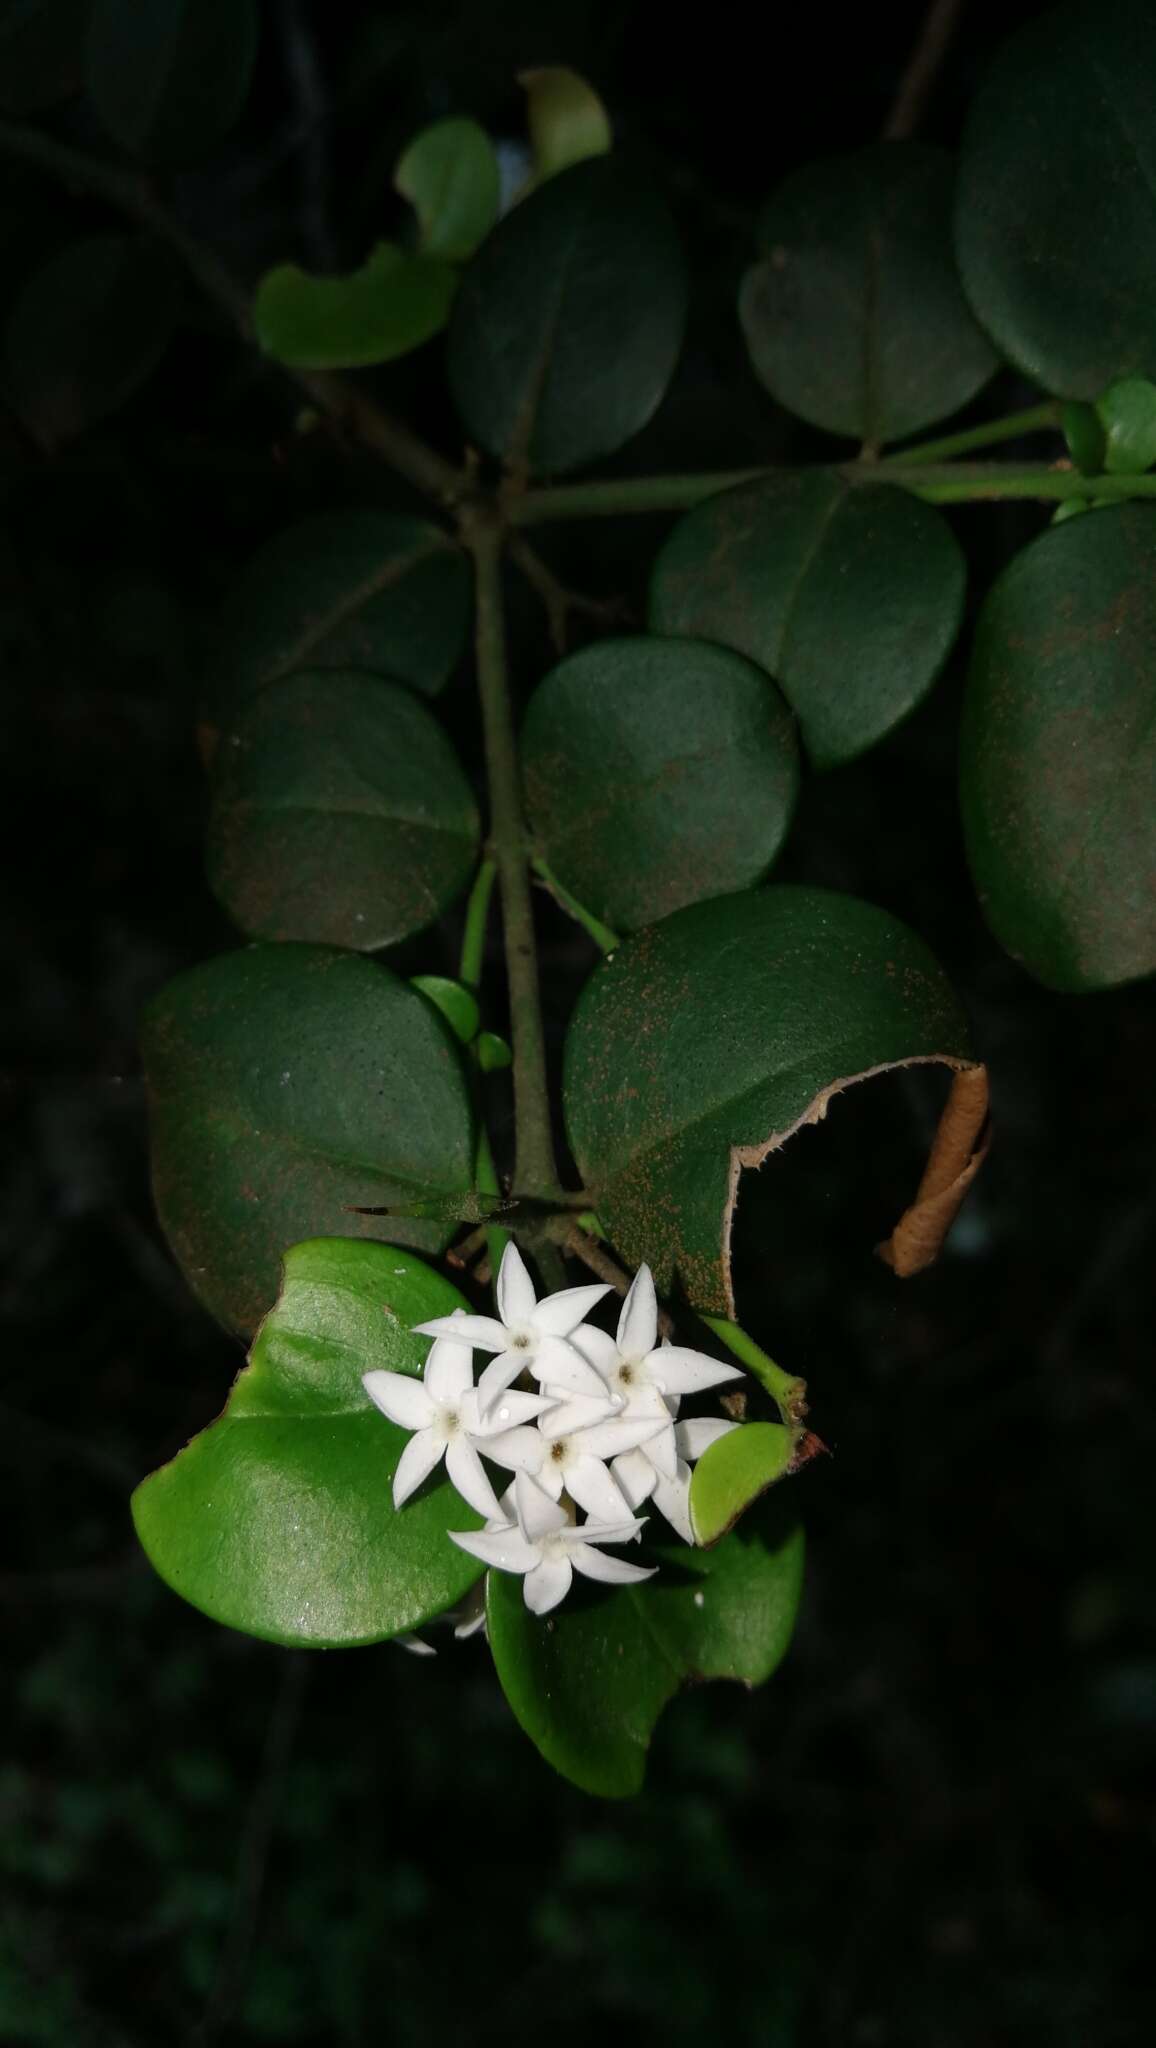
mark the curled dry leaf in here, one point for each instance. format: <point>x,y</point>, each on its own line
<point>959,1150</point>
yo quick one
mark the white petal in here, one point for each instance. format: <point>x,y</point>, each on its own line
<point>548,1584</point>
<point>580,1411</point>
<point>514,1408</point>
<point>516,1450</point>
<point>635,1477</point>
<point>606,1532</point>
<point>612,1571</point>
<point>538,1515</point>
<point>465,1471</point>
<point>515,1289</point>
<point>555,1363</point>
<point>500,1373</point>
<point>557,1314</point>
<point>675,1370</point>
<point>480,1331</point>
<point>598,1347</point>
<point>415,1646</point>
<point>589,1483</point>
<point>619,1433</point>
<point>449,1370</point>
<point>663,1452</point>
<point>505,1549</point>
<point>672,1499</point>
<point>416,1462</point>
<point>638,1323</point>
<point>698,1433</point>
<point>403,1399</point>
<point>471,1624</point>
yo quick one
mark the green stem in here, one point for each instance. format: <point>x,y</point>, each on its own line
<point>1036,419</point>
<point>486,1182</point>
<point>606,940</point>
<point>788,1394</point>
<point>535,1171</point>
<point>477,917</point>
<point>958,483</point>
<point>346,404</point>
<point>625,494</point>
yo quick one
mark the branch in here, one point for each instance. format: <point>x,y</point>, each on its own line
<point>560,601</point>
<point>345,404</point>
<point>535,1171</point>
<point>923,68</point>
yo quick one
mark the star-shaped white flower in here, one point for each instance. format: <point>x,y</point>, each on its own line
<point>640,1478</point>
<point>545,1546</point>
<point>527,1335</point>
<point>557,1455</point>
<point>641,1362</point>
<point>442,1410</point>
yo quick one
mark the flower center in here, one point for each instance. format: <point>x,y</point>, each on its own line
<point>451,1422</point>
<point>521,1340</point>
<point>558,1453</point>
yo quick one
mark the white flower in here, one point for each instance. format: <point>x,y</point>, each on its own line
<point>640,1478</point>
<point>545,1546</point>
<point>527,1335</point>
<point>442,1410</point>
<point>558,1455</point>
<point>639,1363</point>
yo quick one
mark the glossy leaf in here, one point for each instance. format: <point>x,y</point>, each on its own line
<point>278,1519</point>
<point>850,596</point>
<point>353,589</point>
<point>657,773</point>
<point>706,1041</point>
<point>493,1052</point>
<point>288,1084</point>
<point>733,1472</point>
<point>1056,203</point>
<point>589,1682</point>
<point>41,52</point>
<point>86,331</point>
<point>854,317</point>
<point>1127,413</point>
<point>169,78</point>
<point>1084,435</point>
<point>569,320</point>
<point>1058,752</point>
<point>389,307</point>
<point>340,813</point>
<point>451,178</point>
<point>455,1002</point>
<point>566,118</point>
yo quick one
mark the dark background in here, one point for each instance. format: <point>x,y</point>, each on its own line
<point>935,1826</point>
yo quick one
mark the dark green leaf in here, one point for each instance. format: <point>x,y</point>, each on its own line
<point>855,318</point>
<point>340,813</point>
<point>450,176</point>
<point>278,1518</point>
<point>289,1083</point>
<point>850,596</point>
<point>41,52</point>
<point>1058,753</point>
<point>657,772</point>
<point>733,1472</point>
<point>86,331</point>
<point>169,78</point>
<point>569,320</point>
<point>588,1682</point>
<point>1084,434</point>
<point>384,310</point>
<point>1127,413</point>
<point>1056,204</point>
<point>566,118</point>
<point>358,589</point>
<point>705,1042</point>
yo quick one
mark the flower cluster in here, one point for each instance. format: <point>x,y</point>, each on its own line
<point>601,1434</point>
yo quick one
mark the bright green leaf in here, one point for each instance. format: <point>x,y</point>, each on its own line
<point>566,118</point>
<point>733,1472</point>
<point>278,1519</point>
<point>389,307</point>
<point>340,813</point>
<point>589,1682</point>
<point>169,78</point>
<point>1058,752</point>
<point>1056,203</point>
<point>849,595</point>
<point>457,1004</point>
<point>706,1041</point>
<point>351,589</point>
<point>569,320</point>
<point>657,772</point>
<point>854,317</point>
<point>493,1052</point>
<point>1084,435</point>
<point>41,52</point>
<point>1127,413</point>
<point>289,1084</point>
<point>86,330</point>
<point>450,176</point>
